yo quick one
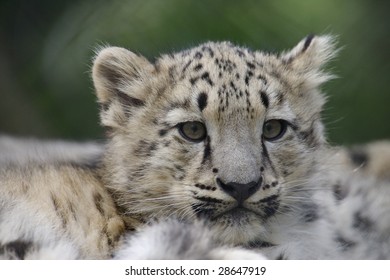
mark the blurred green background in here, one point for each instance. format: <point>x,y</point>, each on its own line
<point>46,48</point>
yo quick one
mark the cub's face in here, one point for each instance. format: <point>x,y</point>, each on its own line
<point>217,132</point>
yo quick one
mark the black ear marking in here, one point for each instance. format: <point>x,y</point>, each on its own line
<point>129,101</point>
<point>113,77</point>
<point>308,41</point>
<point>202,101</point>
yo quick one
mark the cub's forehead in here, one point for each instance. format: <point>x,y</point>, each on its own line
<point>224,79</point>
<point>222,58</point>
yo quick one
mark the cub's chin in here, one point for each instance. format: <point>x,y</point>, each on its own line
<point>238,227</point>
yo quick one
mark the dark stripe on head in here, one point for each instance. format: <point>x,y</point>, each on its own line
<point>264,99</point>
<point>266,156</point>
<point>207,150</point>
<point>202,101</point>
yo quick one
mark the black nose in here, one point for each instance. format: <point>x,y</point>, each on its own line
<point>240,191</point>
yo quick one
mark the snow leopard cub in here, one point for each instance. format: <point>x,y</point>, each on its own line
<point>226,141</point>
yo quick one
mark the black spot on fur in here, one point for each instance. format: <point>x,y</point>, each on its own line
<point>198,55</point>
<point>362,223</point>
<point>250,65</point>
<point>162,132</point>
<point>198,67</point>
<point>16,249</point>
<point>202,101</point>
<point>264,99</point>
<point>248,76</point>
<point>194,80</point>
<point>206,77</point>
<point>233,86</point>
<point>308,41</point>
<point>358,156</point>
<point>215,170</point>
<point>262,78</point>
<point>344,243</point>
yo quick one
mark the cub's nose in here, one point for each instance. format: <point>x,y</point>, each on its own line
<point>240,192</point>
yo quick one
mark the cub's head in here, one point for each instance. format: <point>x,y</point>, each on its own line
<point>218,131</point>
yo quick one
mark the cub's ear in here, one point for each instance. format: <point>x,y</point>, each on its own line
<point>119,77</point>
<point>310,55</point>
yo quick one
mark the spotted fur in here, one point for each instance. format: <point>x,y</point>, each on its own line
<point>280,194</point>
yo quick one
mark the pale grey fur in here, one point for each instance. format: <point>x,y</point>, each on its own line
<point>20,150</point>
<point>172,239</point>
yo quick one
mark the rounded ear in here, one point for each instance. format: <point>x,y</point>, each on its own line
<point>115,70</point>
<point>310,55</point>
<point>119,77</point>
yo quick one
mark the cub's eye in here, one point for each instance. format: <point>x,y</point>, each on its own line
<point>192,131</point>
<point>274,129</point>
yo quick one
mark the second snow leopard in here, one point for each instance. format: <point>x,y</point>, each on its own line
<point>218,133</point>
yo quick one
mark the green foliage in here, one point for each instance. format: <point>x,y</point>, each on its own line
<point>47,48</point>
